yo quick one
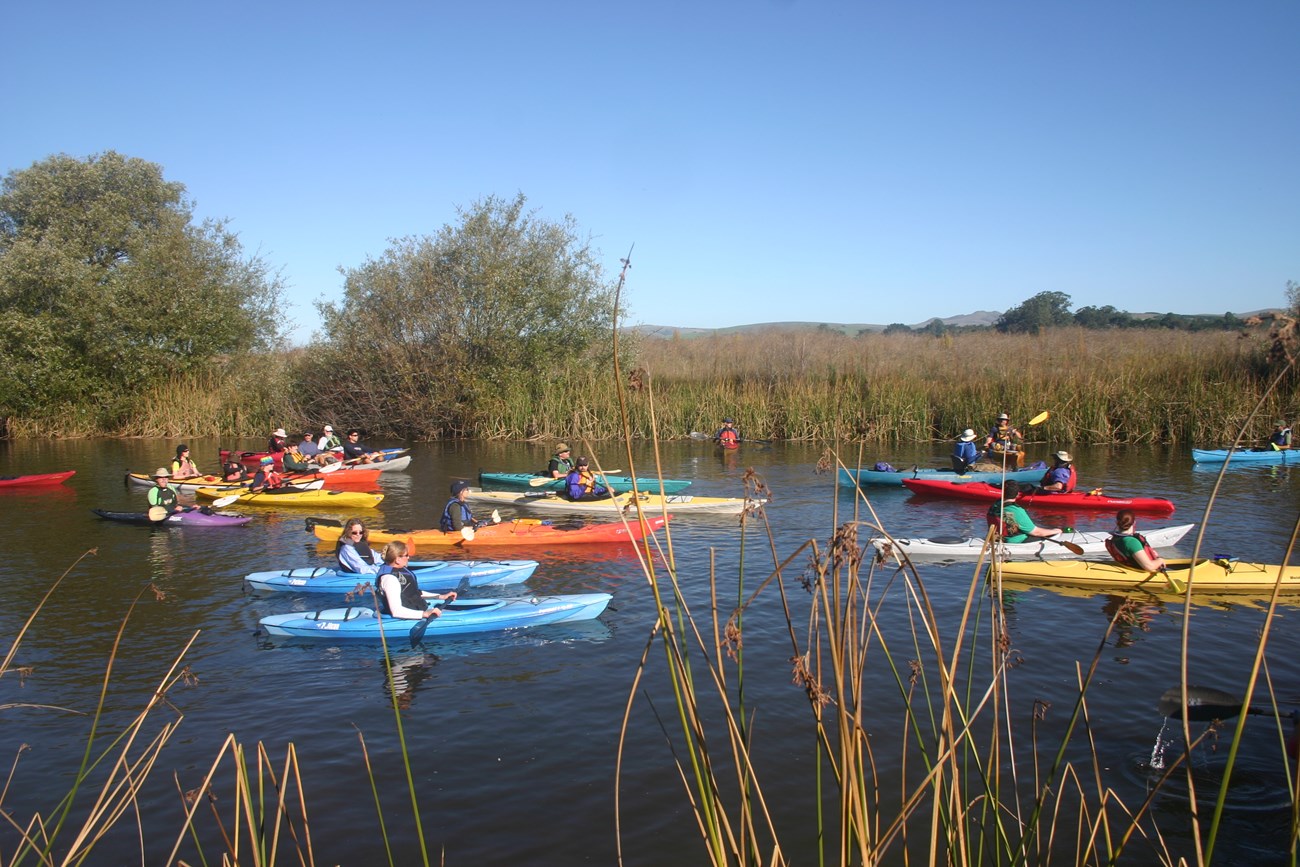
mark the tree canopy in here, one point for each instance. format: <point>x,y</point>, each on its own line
<point>109,286</point>
<point>1042,311</point>
<point>439,323</point>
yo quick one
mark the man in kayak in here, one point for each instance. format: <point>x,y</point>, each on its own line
<point>1012,521</point>
<point>561,463</point>
<point>1281,437</point>
<point>353,550</point>
<point>457,516</point>
<point>163,495</point>
<point>277,443</point>
<point>1061,478</point>
<point>296,458</point>
<point>358,452</point>
<point>327,443</point>
<point>1003,439</point>
<point>1129,548</point>
<point>184,467</point>
<point>399,593</point>
<point>727,436</point>
<point>580,484</point>
<point>964,452</point>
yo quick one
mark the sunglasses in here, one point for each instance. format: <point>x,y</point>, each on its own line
<point>356,532</point>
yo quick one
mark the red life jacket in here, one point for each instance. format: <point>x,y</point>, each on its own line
<point>1119,555</point>
<point>728,439</point>
<point>1005,524</point>
<point>1069,483</point>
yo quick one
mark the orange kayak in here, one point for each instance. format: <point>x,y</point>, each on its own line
<point>507,533</point>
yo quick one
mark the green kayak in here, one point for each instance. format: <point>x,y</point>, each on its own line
<point>535,482</point>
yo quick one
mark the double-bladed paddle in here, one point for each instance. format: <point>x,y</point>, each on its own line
<point>1205,704</point>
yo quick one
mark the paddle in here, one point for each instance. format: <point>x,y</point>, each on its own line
<point>543,480</point>
<point>1039,419</point>
<point>157,514</point>
<point>696,435</point>
<point>222,502</point>
<point>1069,546</point>
<point>467,532</point>
<point>1205,704</point>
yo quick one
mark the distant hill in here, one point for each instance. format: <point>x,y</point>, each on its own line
<point>979,317</point>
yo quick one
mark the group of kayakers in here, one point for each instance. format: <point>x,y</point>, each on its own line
<point>1004,442</point>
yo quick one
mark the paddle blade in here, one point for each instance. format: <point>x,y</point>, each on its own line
<point>467,533</point>
<point>696,435</point>
<point>1069,546</point>
<point>222,502</point>
<point>1040,418</point>
<point>329,468</point>
<point>539,481</point>
<point>496,517</point>
<point>418,630</point>
<point>157,513</point>
<point>1203,704</point>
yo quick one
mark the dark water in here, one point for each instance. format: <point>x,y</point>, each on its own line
<point>514,738</point>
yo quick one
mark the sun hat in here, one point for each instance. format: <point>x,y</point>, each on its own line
<point>162,473</point>
<point>561,448</point>
<point>279,432</point>
<point>1004,417</point>
<point>967,435</point>
<point>458,486</point>
<point>1064,456</point>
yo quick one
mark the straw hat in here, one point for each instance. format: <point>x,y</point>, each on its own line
<point>279,432</point>
<point>1064,457</point>
<point>561,448</point>
<point>162,473</point>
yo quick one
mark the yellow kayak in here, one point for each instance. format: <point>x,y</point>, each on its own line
<point>289,497</point>
<point>1204,576</point>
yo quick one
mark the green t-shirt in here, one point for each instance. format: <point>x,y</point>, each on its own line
<point>1012,512</point>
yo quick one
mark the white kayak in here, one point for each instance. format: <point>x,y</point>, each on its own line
<point>956,546</point>
<point>548,501</point>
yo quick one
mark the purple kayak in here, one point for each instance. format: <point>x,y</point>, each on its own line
<point>178,519</point>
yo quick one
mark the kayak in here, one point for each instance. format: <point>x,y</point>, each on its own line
<point>957,546</point>
<point>297,499</point>
<point>140,480</point>
<point>361,623</point>
<point>618,484</point>
<point>437,576</point>
<point>507,533</point>
<point>851,478</point>
<point>548,501</point>
<point>35,480</point>
<point>1076,500</point>
<point>254,459</point>
<point>1253,456</point>
<point>177,519</point>
<point>1220,575</point>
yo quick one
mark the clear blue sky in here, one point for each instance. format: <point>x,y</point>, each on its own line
<point>869,162</point>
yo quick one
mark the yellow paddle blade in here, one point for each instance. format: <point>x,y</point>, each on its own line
<point>1040,418</point>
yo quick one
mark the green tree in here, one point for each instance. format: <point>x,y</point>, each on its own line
<point>108,286</point>
<point>1044,310</point>
<point>439,324</point>
<point>897,328</point>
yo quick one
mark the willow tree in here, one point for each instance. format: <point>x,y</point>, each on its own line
<point>499,304</point>
<point>109,286</point>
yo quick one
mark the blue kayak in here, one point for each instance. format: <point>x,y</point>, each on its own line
<point>851,478</point>
<point>462,617</point>
<point>1247,456</point>
<point>436,576</point>
<point>617,484</point>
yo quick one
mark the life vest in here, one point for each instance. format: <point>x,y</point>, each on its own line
<point>410,590</point>
<point>1005,523</point>
<point>268,479</point>
<point>295,460</point>
<point>1001,439</point>
<point>580,484</point>
<point>362,547</point>
<point>1069,483</point>
<point>559,464</point>
<point>1281,439</point>
<point>467,517</point>
<point>729,438</point>
<point>233,471</point>
<point>1121,556</point>
<point>185,468</point>
<point>165,497</point>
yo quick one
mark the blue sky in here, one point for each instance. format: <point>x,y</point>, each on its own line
<point>868,162</point>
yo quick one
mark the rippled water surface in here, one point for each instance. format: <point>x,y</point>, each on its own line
<point>514,737</point>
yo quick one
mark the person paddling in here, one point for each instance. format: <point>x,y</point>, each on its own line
<point>1280,438</point>
<point>580,484</point>
<point>358,452</point>
<point>1129,547</point>
<point>457,516</point>
<point>353,550</point>
<point>964,452</point>
<point>163,495</point>
<point>266,477</point>
<point>1003,438</point>
<point>727,436</point>
<point>1012,521</point>
<point>1061,478</point>
<point>399,594</point>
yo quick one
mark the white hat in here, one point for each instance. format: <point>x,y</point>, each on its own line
<point>1064,457</point>
<point>162,473</point>
<point>1003,417</point>
<point>329,429</point>
<point>967,435</point>
<point>279,432</point>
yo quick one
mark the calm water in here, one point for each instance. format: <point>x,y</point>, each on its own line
<point>515,738</point>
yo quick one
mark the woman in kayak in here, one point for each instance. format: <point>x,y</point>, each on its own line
<point>561,463</point>
<point>580,485</point>
<point>1129,547</point>
<point>1012,521</point>
<point>399,593</point>
<point>266,477</point>
<point>964,452</point>
<point>1061,478</point>
<point>353,549</point>
<point>183,467</point>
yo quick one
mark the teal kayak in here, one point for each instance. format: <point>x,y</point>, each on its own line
<point>1247,456</point>
<point>437,576</point>
<point>461,617</point>
<point>617,484</point>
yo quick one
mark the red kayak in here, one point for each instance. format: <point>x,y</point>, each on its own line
<point>39,479</point>
<point>1076,500</point>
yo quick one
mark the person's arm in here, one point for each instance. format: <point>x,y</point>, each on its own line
<point>392,590</point>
